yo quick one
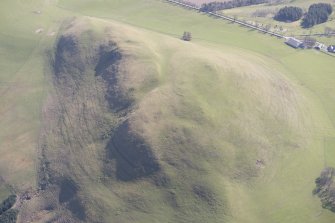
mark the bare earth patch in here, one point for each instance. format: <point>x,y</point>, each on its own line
<point>38,31</point>
<point>51,33</point>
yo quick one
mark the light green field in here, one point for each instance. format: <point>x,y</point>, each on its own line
<point>329,151</point>
<point>22,86</point>
<point>209,108</point>
<point>289,29</point>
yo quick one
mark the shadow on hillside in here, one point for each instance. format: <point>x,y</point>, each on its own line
<point>69,197</point>
<point>134,158</point>
<point>108,68</point>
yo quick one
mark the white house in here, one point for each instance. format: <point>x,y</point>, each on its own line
<point>331,48</point>
<point>320,46</point>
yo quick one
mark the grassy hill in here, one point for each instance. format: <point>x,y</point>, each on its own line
<point>118,120</point>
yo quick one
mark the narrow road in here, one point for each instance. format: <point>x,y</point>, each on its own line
<point>317,34</point>
<point>219,15</point>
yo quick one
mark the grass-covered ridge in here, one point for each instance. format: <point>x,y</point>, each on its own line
<point>189,120</point>
<point>223,128</point>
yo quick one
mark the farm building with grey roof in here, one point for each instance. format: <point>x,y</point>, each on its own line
<point>293,42</point>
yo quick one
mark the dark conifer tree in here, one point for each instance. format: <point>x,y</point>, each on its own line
<point>289,14</point>
<point>317,14</point>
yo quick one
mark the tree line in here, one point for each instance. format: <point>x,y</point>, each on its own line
<point>317,13</point>
<point>217,6</point>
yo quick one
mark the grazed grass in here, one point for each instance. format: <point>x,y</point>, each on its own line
<point>329,152</point>
<point>209,109</point>
<point>290,29</point>
<point>21,88</point>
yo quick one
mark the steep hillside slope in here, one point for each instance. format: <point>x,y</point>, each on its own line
<point>112,118</point>
<point>137,129</point>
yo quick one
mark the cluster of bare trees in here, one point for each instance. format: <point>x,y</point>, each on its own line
<point>217,6</point>
<point>329,31</point>
<point>267,27</point>
<point>187,3</point>
<point>309,42</point>
<point>277,2</point>
<point>264,12</point>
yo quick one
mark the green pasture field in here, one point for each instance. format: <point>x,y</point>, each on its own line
<point>329,152</point>
<point>249,13</point>
<point>231,96</point>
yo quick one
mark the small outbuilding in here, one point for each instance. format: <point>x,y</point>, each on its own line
<point>293,42</point>
<point>320,46</point>
<point>331,48</point>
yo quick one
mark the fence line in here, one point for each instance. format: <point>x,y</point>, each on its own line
<point>220,15</point>
<point>242,23</point>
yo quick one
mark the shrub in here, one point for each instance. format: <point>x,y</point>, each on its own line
<point>187,36</point>
<point>309,42</point>
<point>325,188</point>
<point>289,14</point>
<point>7,204</point>
<point>9,216</point>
